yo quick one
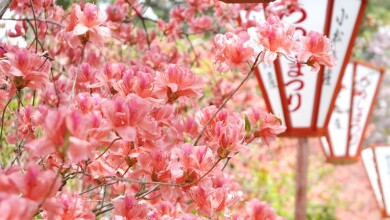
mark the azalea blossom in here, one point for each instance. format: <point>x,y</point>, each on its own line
<point>86,24</point>
<point>176,82</point>
<point>316,50</point>
<point>232,50</point>
<point>130,208</point>
<point>265,125</point>
<point>26,69</point>
<point>273,38</point>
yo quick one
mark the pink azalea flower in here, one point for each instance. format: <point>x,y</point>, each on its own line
<point>26,69</point>
<point>210,200</point>
<point>231,50</point>
<point>129,116</point>
<point>176,82</point>
<point>195,160</point>
<point>316,50</point>
<point>74,207</point>
<point>272,38</point>
<point>30,118</point>
<point>266,125</point>
<point>86,24</point>
<point>38,184</point>
<point>258,210</point>
<point>14,207</point>
<point>225,132</point>
<point>66,134</point>
<point>229,137</point>
<point>200,24</point>
<point>130,208</point>
<point>171,29</point>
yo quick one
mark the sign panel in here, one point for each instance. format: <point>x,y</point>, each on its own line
<point>340,119</point>
<point>369,164</point>
<point>345,13</point>
<point>350,117</point>
<point>382,158</point>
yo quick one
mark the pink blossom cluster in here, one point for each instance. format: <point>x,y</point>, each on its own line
<point>106,115</point>
<point>268,41</point>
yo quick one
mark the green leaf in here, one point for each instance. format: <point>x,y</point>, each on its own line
<point>247,124</point>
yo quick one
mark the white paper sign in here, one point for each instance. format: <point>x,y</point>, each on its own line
<point>366,84</point>
<point>348,121</point>
<point>340,119</point>
<point>382,156</point>
<point>344,16</point>
<point>368,161</point>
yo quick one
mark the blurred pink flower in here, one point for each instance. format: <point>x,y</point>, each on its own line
<point>74,207</point>
<point>13,207</point>
<point>258,210</point>
<point>130,208</point>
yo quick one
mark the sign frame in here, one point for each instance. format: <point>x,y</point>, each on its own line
<point>347,158</point>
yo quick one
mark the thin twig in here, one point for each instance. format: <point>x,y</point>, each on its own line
<point>36,27</point>
<point>2,123</point>
<point>165,183</point>
<point>139,15</point>
<point>77,73</point>
<point>32,19</point>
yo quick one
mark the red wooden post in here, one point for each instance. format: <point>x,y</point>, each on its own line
<point>301,178</point>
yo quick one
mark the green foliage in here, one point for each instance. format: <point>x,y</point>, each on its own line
<point>317,211</point>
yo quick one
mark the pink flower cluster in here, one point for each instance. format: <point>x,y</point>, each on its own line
<point>268,41</point>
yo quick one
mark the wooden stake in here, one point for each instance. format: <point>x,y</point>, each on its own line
<point>301,178</point>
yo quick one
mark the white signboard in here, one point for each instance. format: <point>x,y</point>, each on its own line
<point>339,121</point>
<point>345,13</point>
<point>369,164</point>
<point>349,119</point>
<point>382,157</point>
<point>366,84</point>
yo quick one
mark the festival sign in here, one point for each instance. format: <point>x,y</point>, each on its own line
<point>301,98</point>
<point>351,114</point>
<point>377,164</point>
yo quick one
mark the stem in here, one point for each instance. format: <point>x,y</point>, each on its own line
<point>2,123</point>
<point>36,27</point>
<point>103,211</point>
<point>55,89</point>
<point>51,187</point>
<point>167,184</point>
<point>77,73</point>
<point>31,19</point>
<point>109,146</point>
<point>139,15</point>
<point>228,98</point>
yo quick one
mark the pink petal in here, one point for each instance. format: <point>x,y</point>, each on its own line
<point>80,29</point>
